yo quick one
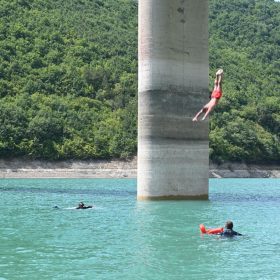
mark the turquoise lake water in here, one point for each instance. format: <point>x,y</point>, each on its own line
<point>122,238</point>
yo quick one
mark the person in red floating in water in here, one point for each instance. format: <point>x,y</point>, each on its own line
<point>215,96</point>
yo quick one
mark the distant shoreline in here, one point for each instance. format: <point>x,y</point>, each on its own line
<point>17,168</point>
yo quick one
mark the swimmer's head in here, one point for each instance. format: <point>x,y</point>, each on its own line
<point>229,225</point>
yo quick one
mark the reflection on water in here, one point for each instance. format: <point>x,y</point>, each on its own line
<point>235,197</point>
<point>67,186</point>
<point>97,192</point>
<point>129,239</point>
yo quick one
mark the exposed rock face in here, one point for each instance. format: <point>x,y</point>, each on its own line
<point>17,168</point>
<point>242,170</point>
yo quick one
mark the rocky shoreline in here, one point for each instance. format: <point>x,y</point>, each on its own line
<point>17,168</point>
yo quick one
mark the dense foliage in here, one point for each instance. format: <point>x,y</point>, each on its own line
<point>68,79</point>
<point>245,41</point>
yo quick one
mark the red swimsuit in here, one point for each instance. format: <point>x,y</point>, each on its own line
<point>217,93</point>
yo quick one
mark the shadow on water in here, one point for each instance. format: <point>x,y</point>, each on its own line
<point>236,197</point>
<point>95,192</point>
<point>225,197</point>
<point>219,191</point>
<point>244,191</point>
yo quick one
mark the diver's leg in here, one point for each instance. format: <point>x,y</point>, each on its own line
<point>195,119</point>
<point>209,109</point>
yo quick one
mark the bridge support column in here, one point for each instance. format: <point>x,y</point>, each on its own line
<point>173,155</point>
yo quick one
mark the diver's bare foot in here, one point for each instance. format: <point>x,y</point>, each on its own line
<point>203,119</point>
<point>195,119</point>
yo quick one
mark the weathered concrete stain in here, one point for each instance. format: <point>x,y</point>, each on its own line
<point>173,157</point>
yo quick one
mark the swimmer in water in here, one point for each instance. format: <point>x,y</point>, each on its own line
<point>81,205</point>
<point>229,232</point>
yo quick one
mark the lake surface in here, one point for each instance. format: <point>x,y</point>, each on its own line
<point>122,238</point>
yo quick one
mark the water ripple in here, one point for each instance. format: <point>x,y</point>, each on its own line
<point>128,239</point>
<point>98,192</point>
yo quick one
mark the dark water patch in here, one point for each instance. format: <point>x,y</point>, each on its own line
<point>243,197</point>
<point>95,192</point>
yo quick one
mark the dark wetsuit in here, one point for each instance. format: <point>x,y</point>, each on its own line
<point>84,207</point>
<point>229,233</point>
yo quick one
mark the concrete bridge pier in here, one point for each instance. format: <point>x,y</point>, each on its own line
<point>173,156</point>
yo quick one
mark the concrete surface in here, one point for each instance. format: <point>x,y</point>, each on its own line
<point>173,85</point>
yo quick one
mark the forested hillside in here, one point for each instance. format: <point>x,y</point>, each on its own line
<point>245,41</point>
<point>68,79</point>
